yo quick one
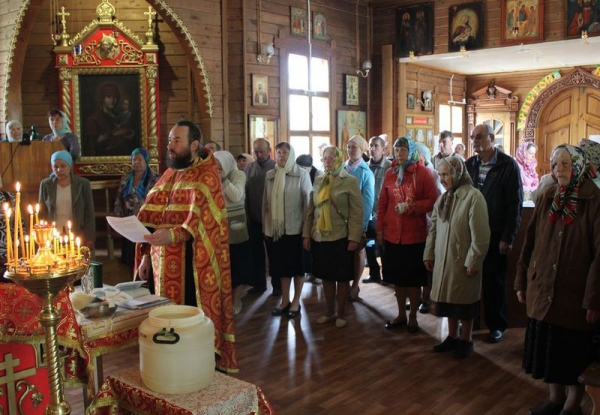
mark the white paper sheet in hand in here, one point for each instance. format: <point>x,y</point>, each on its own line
<point>130,227</point>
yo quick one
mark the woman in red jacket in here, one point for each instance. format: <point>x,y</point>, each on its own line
<point>408,193</point>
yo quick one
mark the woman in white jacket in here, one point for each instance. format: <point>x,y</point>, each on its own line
<point>240,251</point>
<point>285,199</point>
<point>455,249</point>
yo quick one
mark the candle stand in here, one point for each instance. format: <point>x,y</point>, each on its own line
<point>46,275</point>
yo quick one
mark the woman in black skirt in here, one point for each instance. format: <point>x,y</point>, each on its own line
<point>408,193</point>
<point>287,190</point>
<point>558,277</point>
<point>332,230</point>
<point>456,246</point>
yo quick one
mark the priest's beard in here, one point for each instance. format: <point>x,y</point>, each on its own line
<point>179,161</point>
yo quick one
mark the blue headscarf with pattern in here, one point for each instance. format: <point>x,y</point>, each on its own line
<point>141,189</point>
<point>413,157</point>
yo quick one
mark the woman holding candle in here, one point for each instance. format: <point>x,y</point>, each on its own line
<point>131,195</point>
<point>66,197</point>
<point>60,132</point>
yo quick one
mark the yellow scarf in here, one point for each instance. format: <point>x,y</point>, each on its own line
<point>324,194</point>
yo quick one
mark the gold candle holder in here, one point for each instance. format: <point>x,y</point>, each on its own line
<point>46,281</point>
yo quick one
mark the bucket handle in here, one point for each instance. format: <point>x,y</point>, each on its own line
<point>170,336</point>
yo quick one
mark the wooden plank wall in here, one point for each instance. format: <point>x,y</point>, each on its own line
<point>275,21</point>
<point>384,32</point>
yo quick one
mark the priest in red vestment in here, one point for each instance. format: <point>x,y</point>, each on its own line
<point>188,253</point>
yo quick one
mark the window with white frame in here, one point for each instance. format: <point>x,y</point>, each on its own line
<point>308,104</point>
<point>451,119</point>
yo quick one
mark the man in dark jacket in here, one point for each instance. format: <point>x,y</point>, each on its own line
<point>497,176</point>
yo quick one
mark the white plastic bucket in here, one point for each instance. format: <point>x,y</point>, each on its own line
<point>177,350</point>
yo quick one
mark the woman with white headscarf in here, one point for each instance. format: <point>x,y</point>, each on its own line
<point>285,199</point>
<point>456,246</point>
<point>240,250</point>
<point>14,131</point>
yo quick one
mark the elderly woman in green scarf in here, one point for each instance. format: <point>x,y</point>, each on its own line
<point>131,195</point>
<point>332,230</point>
<point>59,123</point>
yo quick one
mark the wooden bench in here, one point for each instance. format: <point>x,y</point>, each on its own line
<point>107,190</point>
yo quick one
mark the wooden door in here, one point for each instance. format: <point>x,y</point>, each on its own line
<point>570,116</point>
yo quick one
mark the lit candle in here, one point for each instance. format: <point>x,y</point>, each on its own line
<point>21,233</point>
<point>78,242</point>
<point>66,246</point>
<point>69,226</point>
<point>55,241</point>
<point>7,213</point>
<point>37,213</point>
<point>72,243</point>
<point>27,246</point>
<point>17,211</point>
<point>30,209</point>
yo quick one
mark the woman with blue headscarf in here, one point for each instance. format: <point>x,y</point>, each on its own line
<point>408,193</point>
<point>60,132</point>
<point>66,197</point>
<point>131,195</point>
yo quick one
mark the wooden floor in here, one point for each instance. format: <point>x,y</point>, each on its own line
<point>307,369</point>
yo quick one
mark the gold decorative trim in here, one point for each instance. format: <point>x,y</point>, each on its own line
<point>11,48</point>
<point>151,75</point>
<point>130,55</point>
<point>95,23</point>
<point>65,80</point>
<point>195,52</point>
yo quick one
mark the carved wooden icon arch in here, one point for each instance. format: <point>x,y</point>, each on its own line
<point>576,79</point>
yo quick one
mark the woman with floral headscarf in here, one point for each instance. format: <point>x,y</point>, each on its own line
<point>527,162</point>
<point>332,230</point>
<point>408,193</point>
<point>591,150</point>
<point>456,246</point>
<point>59,123</point>
<point>558,278</point>
<point>285,199</point>
<point>133,188</point>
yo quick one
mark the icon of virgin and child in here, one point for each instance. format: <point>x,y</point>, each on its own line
<point>109,130</point>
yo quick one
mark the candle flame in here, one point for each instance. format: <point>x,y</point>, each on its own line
<point>5,206</point>
<point>9,212</point>
<point>26,238</point>
<point>30,209</point>
<point>37,208</point>
<point>69,224</point>
<point>78,241</point>
<point>18,187</point>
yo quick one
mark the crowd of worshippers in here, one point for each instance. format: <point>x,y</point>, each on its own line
<point>442,225</point>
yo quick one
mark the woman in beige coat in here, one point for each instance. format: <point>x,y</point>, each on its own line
<point>456,246</point>
<point>332,229</point>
